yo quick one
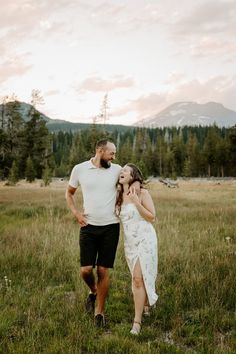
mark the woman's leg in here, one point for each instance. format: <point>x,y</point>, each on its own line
<point>139,292</point>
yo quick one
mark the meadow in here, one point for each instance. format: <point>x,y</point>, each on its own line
<point>42,295</point>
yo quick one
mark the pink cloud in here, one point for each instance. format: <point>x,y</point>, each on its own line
<point>143,106</point>
<point>174,77</point>
<point>148,104</point>
<point>208,29</point>
<point>208,46</point>
<point>14,67</point>
<point>25,19</point>
<point>52,92</point>
<point>220,89</point>
<point>125,18</point>
<point>209,90</point>
<point>208,17</point>
<point>96,84</point>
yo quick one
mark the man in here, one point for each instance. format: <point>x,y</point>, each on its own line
<point>99,233</point>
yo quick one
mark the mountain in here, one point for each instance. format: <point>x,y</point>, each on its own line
<point>178,114</point>
<point>191,113</point>
<point>24,110</point>
<point>55,125</point>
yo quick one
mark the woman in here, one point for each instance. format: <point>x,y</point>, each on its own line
<point>137,212</point>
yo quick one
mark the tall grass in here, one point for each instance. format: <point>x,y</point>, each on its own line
<point>42,295</point>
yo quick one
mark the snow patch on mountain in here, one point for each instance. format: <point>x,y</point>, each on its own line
<point>178,111</point>
<point>191,114</point>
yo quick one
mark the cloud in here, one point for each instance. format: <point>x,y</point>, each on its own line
<point>209,17</point>
<point>21,20</point>
<point>213,89</point>
<point>13,67</point>
<point>208,46</point>
<point>96,84</point>
<point>143,106</point>
<point>207,29</point>
<point>52,92</point>
<point>220,89</point>
<point>108,9</point>
<point>148,104</point>
<point>129,17</point>
<point>175,77</point>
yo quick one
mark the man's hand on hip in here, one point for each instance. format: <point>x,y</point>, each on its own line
<point>81,218</point>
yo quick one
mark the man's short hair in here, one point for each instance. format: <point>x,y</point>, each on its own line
<point>102,143</point>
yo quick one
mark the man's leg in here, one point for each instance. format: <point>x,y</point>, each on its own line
<point>102,289</point>
<point>106,255</point>
<point>88,276</point>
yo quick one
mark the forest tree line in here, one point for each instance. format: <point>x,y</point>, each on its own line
<point>28,150</point>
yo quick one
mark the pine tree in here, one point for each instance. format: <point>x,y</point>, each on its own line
<point>124,154</point>
<point>187,168</point>
<point>210,150</point>
<point>178,150</point>
<point>47,176</point>
<point>5,157</point>
<point>37,142</point>
<point>192,163</point>
<point>30,171</point>
<point>232,148</point>
<point>10,135</point>
<point>142,166</point>
<point>13,175</point>
<point>78,153</point>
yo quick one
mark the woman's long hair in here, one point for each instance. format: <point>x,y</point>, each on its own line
<point>136,175</point>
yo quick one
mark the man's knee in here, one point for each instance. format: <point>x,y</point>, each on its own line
<point>138,282</point>
<point>86,271</point>
<point>102,272</point>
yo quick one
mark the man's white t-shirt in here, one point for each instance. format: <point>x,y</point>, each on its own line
<point>98,187</point>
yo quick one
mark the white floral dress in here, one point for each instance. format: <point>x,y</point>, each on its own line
<point>140,242</point>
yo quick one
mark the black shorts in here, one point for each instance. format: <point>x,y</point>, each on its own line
<point>98,245</point>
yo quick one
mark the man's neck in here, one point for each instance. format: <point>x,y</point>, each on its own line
<point>96,161</point>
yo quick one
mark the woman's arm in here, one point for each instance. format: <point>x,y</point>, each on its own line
<point>144,205</point>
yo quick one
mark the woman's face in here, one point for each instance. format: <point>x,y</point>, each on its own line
<point>125,175</point>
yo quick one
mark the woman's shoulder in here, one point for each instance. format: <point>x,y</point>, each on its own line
<point>144,191</point>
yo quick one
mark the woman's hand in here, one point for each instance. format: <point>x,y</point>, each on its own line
<point>133,196</point>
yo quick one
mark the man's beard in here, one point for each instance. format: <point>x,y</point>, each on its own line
<point>105,163</point>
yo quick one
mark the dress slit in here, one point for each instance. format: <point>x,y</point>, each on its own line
<point>140,243</point>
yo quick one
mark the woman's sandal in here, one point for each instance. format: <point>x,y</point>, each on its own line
<point>136,328</point>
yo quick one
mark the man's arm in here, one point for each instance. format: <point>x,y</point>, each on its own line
<point>136,186</point>
<point>71,204</point>
<point>144,204</point>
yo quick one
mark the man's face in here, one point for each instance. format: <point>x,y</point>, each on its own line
<point>108,154</point>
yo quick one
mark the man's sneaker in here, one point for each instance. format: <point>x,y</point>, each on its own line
<point>99,321</point>
<point>90,303</point>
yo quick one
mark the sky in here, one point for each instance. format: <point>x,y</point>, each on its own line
<point>144,55</point>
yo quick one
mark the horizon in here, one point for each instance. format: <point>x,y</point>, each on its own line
<point>129,124</point>
<point>144,55</point>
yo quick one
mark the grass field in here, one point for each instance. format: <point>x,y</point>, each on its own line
<point>42,295</point>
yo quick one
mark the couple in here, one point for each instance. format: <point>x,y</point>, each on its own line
<point>111,193</point>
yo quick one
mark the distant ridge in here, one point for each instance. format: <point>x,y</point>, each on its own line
<point>190,114</point>
<point>176,115</point>
<point>55,125</point>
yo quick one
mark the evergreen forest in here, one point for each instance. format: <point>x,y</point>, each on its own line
<point>29,150</point>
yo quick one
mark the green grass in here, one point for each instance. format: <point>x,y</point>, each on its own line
<point>42,296</point>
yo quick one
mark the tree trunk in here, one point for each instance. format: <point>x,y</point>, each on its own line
<point>209,170</point>
<point>222,171</point>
